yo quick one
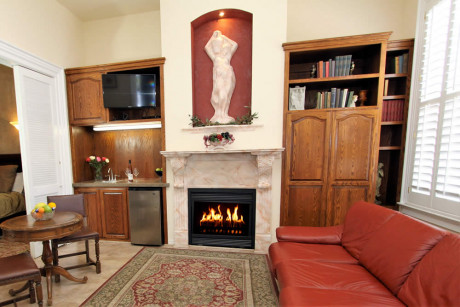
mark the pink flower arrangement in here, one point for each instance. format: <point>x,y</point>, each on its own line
<point>97,163</point>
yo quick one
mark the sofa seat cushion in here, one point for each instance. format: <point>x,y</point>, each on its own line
<point>298,296</point>
<point>397,247</point>
<point>322,275</point>
<point>435,281</point>
<point>287,251</point>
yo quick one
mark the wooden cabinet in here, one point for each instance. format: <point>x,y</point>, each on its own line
<point>107,211</point>
<point>331,154</point>
<point>84,93</point>
<point>398,70</point>
<point>114,209</point>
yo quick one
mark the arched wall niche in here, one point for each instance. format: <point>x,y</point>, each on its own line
<point>236,25</point>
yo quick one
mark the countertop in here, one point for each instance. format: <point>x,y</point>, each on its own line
<point>123,183</point>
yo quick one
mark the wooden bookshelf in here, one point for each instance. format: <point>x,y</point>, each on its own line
<point>331,154</point>
<point>393,131</point>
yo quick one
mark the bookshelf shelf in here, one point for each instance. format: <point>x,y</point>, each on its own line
<point>391,123</point>
<point>389,76</point>
<point>393,132</point>
<point>390,148</point>
<point>344,78</point>
<point>394,97</point>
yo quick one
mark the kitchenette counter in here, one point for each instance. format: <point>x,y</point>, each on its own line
<point>123,183</point>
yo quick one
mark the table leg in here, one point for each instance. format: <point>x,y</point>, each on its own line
<point>49,270</point>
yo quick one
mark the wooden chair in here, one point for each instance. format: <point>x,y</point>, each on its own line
<point>18,268</point>
<point>75,203</point>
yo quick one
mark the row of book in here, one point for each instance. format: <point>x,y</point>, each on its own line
<point>338,67</point>
<point>398,64</point>
<point>335,98</point>
<point>393,110</point>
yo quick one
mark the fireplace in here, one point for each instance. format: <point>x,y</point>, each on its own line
<point>222,217</point>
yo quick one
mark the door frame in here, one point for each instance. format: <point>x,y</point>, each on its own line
<point>12,56</point>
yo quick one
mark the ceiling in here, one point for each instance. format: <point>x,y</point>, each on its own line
<point>88,10</point>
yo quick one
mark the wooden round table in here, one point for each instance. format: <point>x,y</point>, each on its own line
<point>26,229</point>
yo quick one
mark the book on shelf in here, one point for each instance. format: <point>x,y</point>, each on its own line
<point>385,87</point>
<point>399,64</point>
<point>335,98</point>
<point>393,110</point>
<point>337,67</point>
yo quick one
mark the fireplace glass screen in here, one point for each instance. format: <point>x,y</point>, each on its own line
<point>222,217</point>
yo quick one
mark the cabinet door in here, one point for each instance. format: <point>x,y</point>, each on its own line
<point>305,169</point>
<point>92,207</point>
<point>114,211</point>
<point>86,106</point>
<point>352,169</point>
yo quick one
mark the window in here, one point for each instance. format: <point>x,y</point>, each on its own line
<point>432,165</point>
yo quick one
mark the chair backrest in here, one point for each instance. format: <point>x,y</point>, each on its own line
<point>73,203</point>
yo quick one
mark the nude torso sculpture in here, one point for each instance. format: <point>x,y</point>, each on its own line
<point>221,49</point>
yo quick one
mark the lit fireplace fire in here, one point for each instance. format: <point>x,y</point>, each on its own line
<point>214,221</point>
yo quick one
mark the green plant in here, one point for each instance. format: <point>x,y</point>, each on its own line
<point>246,119</point>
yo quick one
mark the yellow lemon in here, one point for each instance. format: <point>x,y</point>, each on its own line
<point>52,205</point>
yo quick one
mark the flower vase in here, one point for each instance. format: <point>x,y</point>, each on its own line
<point>98,174</point>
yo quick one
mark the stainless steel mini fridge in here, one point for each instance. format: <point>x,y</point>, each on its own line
<point>146,216</point>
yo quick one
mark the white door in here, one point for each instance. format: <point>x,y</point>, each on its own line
<point>39,139</point>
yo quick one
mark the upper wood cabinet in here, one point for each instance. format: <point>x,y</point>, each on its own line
<point>331,152</point>
<point>84,93</point>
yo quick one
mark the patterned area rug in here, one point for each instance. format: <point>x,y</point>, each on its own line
<point>174,277</point>
<point>12,248</point>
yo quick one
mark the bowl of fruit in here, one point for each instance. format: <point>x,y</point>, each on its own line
<point>43,211</point>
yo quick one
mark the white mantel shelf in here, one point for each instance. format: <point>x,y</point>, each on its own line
<point>247,168</point>
<point>255,152</point>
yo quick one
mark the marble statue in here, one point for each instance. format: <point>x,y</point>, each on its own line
<point>221,49</point>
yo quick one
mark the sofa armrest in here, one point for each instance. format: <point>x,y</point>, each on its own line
<point>312,235</point>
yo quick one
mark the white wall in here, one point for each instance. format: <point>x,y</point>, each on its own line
<point>44,28</point>
<point>315,19</point>
<point>269,32</point>
<point>125,38</point>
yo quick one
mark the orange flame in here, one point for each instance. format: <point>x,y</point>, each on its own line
<point>216,217</point>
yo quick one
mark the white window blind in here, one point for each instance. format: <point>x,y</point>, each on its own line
<point>432,168</point>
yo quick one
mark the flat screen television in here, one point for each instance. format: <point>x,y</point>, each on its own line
<point>129,90</point>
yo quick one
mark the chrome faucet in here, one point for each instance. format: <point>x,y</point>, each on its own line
<point>112,177</point>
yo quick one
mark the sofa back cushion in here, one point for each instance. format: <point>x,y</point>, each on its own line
<point>397,247</point>
<point>361,221</point>
<point>435,280</point>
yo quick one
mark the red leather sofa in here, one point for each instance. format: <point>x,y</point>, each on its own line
<point>378,257</point>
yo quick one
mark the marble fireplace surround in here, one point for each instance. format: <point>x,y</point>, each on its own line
<point>248,169</point>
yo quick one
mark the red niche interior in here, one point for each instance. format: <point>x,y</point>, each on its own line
<point>236,25</point>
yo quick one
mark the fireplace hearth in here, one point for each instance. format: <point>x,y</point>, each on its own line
<point>222,217</point>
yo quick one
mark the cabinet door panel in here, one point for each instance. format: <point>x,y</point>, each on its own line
<point>308,147</point>
<point>341,198</point>
<point>93,216</point>
<point>114,214</point>
<point>305,206</point>
<point>354,145</point>
<point>85,99</point>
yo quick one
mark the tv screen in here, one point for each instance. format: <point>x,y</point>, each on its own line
<point>129,90</point>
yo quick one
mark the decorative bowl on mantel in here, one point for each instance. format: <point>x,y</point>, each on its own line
<point>217,141</point>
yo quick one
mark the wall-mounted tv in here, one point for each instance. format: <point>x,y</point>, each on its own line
<point>129,90</point>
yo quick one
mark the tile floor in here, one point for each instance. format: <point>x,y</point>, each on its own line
<point>67,293</point>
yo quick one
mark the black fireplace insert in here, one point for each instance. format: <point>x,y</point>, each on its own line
<point>222,217</point>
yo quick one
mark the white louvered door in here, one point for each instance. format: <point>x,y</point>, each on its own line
<point>434,165</point>
<point>36,96</point>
